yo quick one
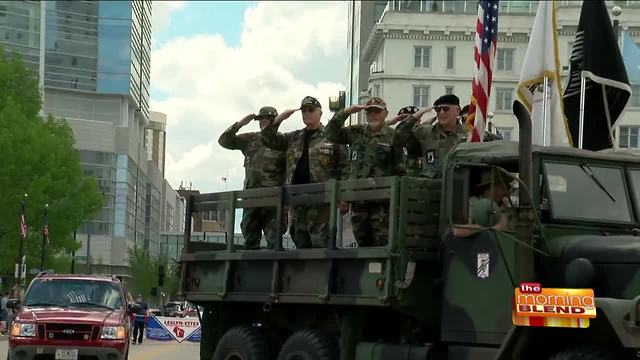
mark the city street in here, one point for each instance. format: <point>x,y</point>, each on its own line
<point>149,350</point>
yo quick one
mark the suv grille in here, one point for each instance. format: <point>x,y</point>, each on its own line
<point>56,331</point>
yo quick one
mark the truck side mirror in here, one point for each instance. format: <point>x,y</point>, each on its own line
<point>13,304</point>
<point>133,308</point>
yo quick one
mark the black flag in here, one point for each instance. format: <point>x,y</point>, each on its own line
<point>596,56</point>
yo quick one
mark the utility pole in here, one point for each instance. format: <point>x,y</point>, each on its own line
<point>73,254</point>
<point>89,248</point>
<point>23,234</point>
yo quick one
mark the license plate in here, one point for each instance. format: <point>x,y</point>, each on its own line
<point>66,354</point>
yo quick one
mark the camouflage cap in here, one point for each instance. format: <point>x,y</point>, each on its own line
<point>376,102</point>
<point>408,110</point>
<point>310,101</point>
<point>266,111</point>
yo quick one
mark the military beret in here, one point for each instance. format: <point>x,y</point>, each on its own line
<point>448,99</point>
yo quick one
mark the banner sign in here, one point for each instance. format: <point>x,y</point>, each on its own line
<point>173,329</point>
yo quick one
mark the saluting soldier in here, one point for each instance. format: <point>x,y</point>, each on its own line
<point>310,158</point>
<point>413,158</point>
<point>435,139</point>
<point>373,154</point>
<point>264,167</point>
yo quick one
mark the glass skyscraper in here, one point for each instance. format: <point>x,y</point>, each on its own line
<point>93,61</point>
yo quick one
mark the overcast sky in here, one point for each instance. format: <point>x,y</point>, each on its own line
<point>212,63</point>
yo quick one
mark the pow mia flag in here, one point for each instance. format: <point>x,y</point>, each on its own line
<point>596,57</point>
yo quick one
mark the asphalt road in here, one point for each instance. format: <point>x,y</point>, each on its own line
<point>148,350</point>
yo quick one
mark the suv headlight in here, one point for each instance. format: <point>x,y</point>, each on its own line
<point>113,333</point>
<point>20,329</point>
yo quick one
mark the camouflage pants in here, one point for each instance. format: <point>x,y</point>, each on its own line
<point>310,226</point>
<point>257,220</point>
<point>370,221</point>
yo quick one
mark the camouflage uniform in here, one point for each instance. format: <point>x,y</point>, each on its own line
<point>435,142</point>
<point>413,159</point>
<point>373,154</point>
<point>264,167</point>
<point>327,160</point>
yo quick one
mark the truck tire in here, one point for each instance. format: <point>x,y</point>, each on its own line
<point>242,343</point>
<point>584,352</point>
<point>309,345</point>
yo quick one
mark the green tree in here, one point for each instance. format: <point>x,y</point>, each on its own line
<point>38,159</point>
<point>144,276</point>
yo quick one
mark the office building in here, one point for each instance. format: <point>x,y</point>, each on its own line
<point>420,50</point>
<point>93,62</point>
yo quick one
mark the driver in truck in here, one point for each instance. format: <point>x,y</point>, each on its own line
<point>488,205</point>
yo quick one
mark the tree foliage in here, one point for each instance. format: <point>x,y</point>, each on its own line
<point>144,276</point>
<point>38,158</point>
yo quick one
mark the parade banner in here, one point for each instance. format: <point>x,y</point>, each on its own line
<point>173,329</point>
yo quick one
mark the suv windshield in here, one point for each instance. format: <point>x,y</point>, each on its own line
<point>64,292</point>
<point>581,191</point>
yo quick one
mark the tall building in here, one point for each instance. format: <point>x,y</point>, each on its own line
<point>93,62</point>
<point>420,50</point>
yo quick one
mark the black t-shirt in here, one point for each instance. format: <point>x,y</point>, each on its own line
<point>301,174</point>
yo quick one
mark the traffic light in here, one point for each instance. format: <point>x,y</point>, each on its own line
<point>154,291</point>
<point>160,275</point>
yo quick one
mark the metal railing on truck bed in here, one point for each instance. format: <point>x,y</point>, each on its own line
<point>225,272</point>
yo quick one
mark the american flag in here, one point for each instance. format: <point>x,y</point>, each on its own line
<point>45,227</point>
<point>24,229</point>
<point>486,44</point>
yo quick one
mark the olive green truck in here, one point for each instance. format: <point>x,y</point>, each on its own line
<point>428,294</point>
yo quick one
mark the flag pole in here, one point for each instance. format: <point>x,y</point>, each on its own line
<point>545,108</point>
<point>583,88</point>
<point>22,215</point>
<point>44,237</point>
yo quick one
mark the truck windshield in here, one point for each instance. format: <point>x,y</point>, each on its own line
<point>85,293</point>
<point>581,191</point>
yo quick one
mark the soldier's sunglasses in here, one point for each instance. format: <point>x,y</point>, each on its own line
<point>445,108</point>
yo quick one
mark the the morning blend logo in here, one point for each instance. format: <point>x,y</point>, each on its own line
<point>538,306</point>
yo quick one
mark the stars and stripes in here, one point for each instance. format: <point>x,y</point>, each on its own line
<point>24,229</point>
<point>486,44</point>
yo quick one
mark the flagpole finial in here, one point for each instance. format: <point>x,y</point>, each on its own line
<point>25,195</point>
<point>46,205</point>
<point>616,11</point>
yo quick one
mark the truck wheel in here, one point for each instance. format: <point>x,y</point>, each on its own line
<point>309,345</point>
<point>583,353</point>
<point>242,343</point>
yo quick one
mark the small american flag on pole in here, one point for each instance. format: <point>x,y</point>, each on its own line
<point>24,229</point>
<point>486,44</point>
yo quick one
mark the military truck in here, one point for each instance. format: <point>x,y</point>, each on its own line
<point>428,294</point>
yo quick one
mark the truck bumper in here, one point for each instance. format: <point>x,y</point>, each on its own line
<point>29,352</point>
<point>623,317</point>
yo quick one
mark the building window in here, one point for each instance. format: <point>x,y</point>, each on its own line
<point>422,58</point>
<point>635,95</point>
<point>421,95</point>
<point>376,91</point>
<point>449,90</point>
<point>505,59</point>
<point>629,137</point>
<point>451,57</point>
<point>504,98</point>
<point>506,132</point>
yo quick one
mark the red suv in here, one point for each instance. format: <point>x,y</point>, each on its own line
<point>71,317</point>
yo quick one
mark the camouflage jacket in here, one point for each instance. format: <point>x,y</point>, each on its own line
<point>327,160</point>
<point>435,143</point>
<point>263,166</point>
<point>413,159</point>
<point>372,154</point>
